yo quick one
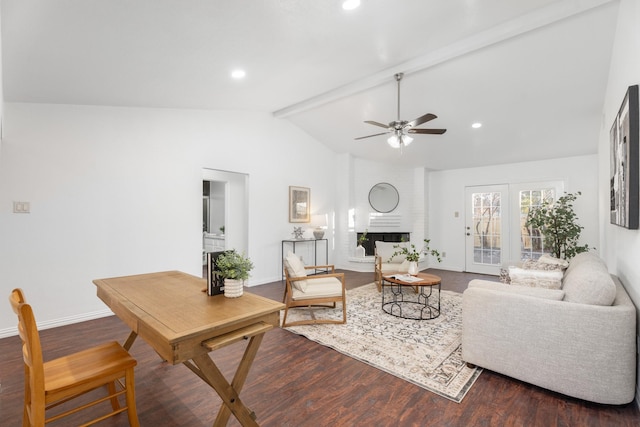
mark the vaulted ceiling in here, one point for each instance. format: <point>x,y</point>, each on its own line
<point>534,72</point>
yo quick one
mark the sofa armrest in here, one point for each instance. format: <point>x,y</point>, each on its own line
<point>585,351</point>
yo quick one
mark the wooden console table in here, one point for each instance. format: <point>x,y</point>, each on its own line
<point>172,314</point>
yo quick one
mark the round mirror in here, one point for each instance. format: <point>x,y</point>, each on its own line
<point>383,197</point>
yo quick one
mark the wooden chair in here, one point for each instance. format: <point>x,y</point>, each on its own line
<point>48,384</point>
<point>321,290</point>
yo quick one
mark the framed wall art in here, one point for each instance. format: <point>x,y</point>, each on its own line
<point>299,204</point>
<point>624,163</point>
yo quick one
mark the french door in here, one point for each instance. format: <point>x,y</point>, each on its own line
<point>487,220</point>
<point>495,229</point>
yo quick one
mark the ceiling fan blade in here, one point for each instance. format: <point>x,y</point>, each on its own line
<point>428,131</point>
<point>369,136</point>
<point>371,122</point>
<point>422,119</point>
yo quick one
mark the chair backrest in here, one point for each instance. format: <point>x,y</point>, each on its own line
<point>31,349</point>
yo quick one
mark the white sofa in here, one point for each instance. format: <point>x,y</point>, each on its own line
<point>579,340</point>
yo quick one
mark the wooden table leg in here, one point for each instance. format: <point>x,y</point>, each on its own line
<point>230,392</point>
<point>130,340</point>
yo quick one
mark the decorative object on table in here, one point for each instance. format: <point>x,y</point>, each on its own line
<point>320,223</point>
<point>215,282</point>
<point>299,204</point>
<point>558,224</point>
<point>425,353</point>
<point>297,232</point>
<point>624,162</point>
<point>360,250</point>
<point>413,255</point>
<point>234,268</point>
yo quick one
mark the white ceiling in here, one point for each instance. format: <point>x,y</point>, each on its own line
<point>533,71</point>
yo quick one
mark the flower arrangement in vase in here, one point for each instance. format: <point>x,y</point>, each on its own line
<point>360,251</point>
<point>413,255</point>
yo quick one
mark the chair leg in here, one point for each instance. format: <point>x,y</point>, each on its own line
<point>112,391</point>
<point>25,417</point>
<point>132,412</point>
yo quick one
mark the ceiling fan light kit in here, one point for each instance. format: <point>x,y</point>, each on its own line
<point>400,129</point>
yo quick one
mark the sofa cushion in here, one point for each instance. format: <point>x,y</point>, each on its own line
<point>552,294</point>
<point>295,268</point>
<point>550,260</point>
<point>547,279</point>
<point>587,281</point>
<point>385,249</point>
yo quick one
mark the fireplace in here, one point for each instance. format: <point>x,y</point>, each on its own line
<point>369,245</point>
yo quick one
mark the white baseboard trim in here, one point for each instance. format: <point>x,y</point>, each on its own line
<point>9,332</point>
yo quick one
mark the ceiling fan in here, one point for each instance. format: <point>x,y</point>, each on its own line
<point>400,129</point>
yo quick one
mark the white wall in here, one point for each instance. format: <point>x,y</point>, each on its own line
<point>354,200</point>
<point>117,191</point>
<point>446,196</point>
<point>621,247</point>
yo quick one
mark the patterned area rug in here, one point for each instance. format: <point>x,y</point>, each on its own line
<point>424,352</point>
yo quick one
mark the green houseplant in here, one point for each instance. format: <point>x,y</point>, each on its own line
<point>363,238</point>
<point>412,254</point>
<point>558,224</point>
<point>233,265</point>
<point>235,268</point>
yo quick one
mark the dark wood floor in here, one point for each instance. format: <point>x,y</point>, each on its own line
<point>295,382</point>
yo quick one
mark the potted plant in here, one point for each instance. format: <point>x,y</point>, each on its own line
<point>234,268</point>
<point>360,251</point>
<point>413,255</point>
<point>558,224</point>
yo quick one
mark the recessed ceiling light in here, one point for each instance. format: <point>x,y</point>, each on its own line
<point>350,4</point>
<point>476,125</point>
<point>238,74</point>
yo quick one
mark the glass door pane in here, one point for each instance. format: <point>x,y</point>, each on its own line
<point>531,240</point>
<point>486,245</point>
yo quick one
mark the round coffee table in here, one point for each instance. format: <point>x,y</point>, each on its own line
<point>425,305</point>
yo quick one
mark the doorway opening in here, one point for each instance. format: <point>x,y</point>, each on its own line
<point>225,211</point>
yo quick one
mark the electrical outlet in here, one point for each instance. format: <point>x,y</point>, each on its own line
<point>444,254</point>
<point>21,207</point>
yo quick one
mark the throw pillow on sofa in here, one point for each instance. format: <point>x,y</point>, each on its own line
<point>587,281</point>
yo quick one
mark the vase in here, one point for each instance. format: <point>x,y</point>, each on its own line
<point>233,288</point>
<point>360,252</point>
<point>413,268</point>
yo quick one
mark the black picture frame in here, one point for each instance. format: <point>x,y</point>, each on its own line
<point>624,136</point>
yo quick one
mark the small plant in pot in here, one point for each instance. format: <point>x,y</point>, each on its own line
<point>413,255</point>
<point>235,268</point>
<point>360,250</point>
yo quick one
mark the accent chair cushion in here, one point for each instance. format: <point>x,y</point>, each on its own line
<point>295,268</point>
<point>385,249</point>
<point>319,287</point>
